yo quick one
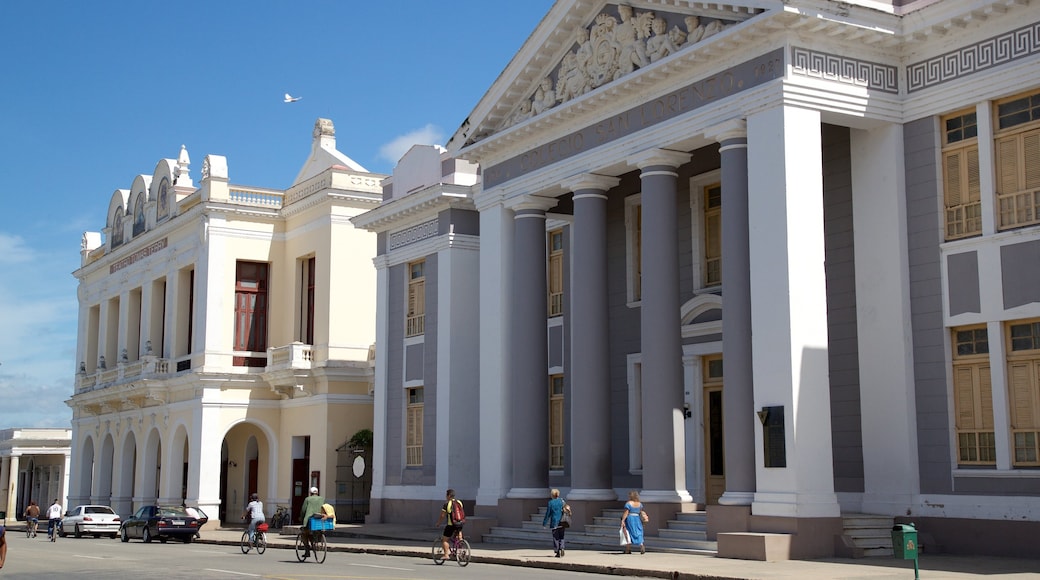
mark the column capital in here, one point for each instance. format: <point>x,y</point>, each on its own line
<point>657,157</point>
<point>531,202</point>
<point>582,181</point>
<point>731,129</point>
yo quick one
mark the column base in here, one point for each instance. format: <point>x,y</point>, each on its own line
<point>592,495</point>
<point>665,496</point>
<point>737,498</point>
<point>528,493</point>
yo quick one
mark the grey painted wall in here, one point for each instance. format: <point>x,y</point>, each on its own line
<point>923,198</point>
<point>465,222</point>
<point>962,282</point>
<point>1019,273</point>
<point>427,474</point>
<point>842,339</point>
<point>414,362</point>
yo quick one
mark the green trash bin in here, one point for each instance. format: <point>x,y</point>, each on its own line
<point>3,515</point>
<point>904,541</point>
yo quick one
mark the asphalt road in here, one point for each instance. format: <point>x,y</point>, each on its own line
<point>68,558</point>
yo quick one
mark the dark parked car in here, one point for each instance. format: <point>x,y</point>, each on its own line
<point>160,523</point>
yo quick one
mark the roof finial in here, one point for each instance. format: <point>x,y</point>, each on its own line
<point>181,174</point>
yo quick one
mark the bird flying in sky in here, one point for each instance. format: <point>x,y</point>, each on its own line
<point>291,99</point>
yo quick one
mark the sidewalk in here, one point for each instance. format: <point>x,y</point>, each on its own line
<point>405,540</point>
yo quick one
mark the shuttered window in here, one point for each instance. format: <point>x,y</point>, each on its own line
<point>556,422</point>
<point>251,307</point>
<point>1017,150</point>
<point>415,322</point>
<point>962,192</point>
<point>555,273</point>
<point>414,428</point>
<point>973,397</point>
<point>713,235</point>
<point>1024,391</point>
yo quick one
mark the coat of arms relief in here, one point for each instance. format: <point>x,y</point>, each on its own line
<point>610,48</point>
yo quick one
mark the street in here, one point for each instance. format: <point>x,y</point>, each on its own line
<point>111,559</point>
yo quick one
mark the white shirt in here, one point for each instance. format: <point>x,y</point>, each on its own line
<point>256,510</point>
<point>54,512</point>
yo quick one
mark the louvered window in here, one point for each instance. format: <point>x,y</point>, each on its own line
<point>713,235</point>
<point>414,428</point>
<point>961,186</point>
<point>415,322</point>
<point>555,273</point>
<point>1024,392</point>
<point>1017,150</point>
<point>556,422</point>
<point>973,397</point>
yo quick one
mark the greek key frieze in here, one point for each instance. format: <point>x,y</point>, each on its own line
<point>413,234</point>
<point>974,58</point>
<point>832,67</point>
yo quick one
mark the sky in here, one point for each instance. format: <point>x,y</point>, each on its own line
<point>93,94</point>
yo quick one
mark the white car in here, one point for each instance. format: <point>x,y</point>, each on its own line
<point>90,519</point>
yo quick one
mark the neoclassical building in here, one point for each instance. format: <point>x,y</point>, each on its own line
<point>775,261</point>
<point>225,336</point>
<point>34,465</point>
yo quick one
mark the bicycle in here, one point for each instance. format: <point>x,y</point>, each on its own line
<point>52,529</point>
<point>30,529</point>
<point>259,540</point>
<point>280,517</point>
<point>318,548</point>
<point>458,549</point>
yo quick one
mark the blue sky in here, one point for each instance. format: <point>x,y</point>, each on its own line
<point>95,93</point>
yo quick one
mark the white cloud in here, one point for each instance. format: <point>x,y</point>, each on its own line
<point>38,325</point>
<point>394,150</point>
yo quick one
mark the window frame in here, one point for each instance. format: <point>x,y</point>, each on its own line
<point>1018,207</point>
<point>554,278</point>
<point>415,407</point>
<point>258,311</point>
<point>974,428</point>
<point>415,307</point>
<point>1024,396</point>
<point>557,422</point>
<point>961,177</point>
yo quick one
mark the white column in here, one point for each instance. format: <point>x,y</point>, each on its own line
<point>886,373</point>
<point>379,423</point>
<point>998,373</point>
<point>496,251</point>
<point>8,478</point>
<point>987,163</point>
<point>789,306</point>
<point>146,319</point>
<point>204,463</point>
<point>123,327</point>
<point>105,348</point>
<point>211,332</point>
<point>65,478</point>
<point>173,292</point>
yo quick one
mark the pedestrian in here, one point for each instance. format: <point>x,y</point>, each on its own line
<point>632,522</point>
<point>553,518</point>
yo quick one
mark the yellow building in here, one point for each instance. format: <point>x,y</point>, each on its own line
<point>225,337</point>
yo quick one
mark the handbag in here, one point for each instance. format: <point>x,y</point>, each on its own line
<point>623,537</point>
<point>645,517</point>
<point>565,520</point>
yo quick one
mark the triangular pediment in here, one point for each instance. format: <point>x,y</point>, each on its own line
<point>581,47</point>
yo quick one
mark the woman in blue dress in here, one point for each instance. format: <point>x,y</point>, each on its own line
<point>632,522</point>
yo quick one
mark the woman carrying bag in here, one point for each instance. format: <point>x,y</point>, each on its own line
<point>558,518</point>
<point>632,523</point>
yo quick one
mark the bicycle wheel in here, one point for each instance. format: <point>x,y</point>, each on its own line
<point>462,553</point>
<point>320,549</point>
<point>438,552</point>
<point>261,542</point>
<point>244,542</point>
<point>301,547</point>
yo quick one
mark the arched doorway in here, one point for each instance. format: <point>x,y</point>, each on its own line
<point>105,468</point>
<point>126,487</point>
<point>246,464</point>
<point>86,470</point>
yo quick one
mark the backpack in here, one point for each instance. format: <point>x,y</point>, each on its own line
<point>458,515</point>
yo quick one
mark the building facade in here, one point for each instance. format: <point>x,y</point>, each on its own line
<point>773,260</point>
<point>225,336</point>
<point>34,466</point>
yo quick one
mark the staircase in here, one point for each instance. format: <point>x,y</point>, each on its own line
<point>686,534</point>
<point>867,536</point>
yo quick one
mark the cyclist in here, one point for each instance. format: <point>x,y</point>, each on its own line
<point>311,508</point>
<point>32,518</point>
<point>53,519</point>
<point>452,528</point>
<point>255,514</point>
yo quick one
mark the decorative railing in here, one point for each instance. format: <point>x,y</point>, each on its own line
<point>296,355</point>
<point>1020,208</point>
<point>147,367</point>
<point>255,197</point>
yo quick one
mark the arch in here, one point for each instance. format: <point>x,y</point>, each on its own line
<point>105,470</point>
<point>161,192</point>
<point>701,315</point>
<point>86,468</point>
<point>116,215</point>
<point>151,475</point>
<point>249,463</point>
<point>179,455</point>
<point>139,197</point>
<point>125,490</point>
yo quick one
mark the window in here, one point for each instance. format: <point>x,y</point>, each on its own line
<point>556,273</point>
<point>139,221</point>
<point>415,323</point>
<point>713,235</point>
<point>1024,391</point>
<point>116,232</point>
<point>414,428</point>
<point>306,321</point>
<point>973,397</point>
<point>556,422</point>
<point>251,311</point>
<point>962,192</point>
<point>1017,150</point>
<point>634,243</point>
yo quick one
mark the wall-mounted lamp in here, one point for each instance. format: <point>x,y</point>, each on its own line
<point>232,464</point>
<point>687,413</point>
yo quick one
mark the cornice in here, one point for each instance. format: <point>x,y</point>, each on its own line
<point>422,202</point>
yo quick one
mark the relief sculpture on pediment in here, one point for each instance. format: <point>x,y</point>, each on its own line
<point>610,48</point>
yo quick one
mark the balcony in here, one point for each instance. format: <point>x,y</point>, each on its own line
<point>288,369</point>
<point>149,367</point>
